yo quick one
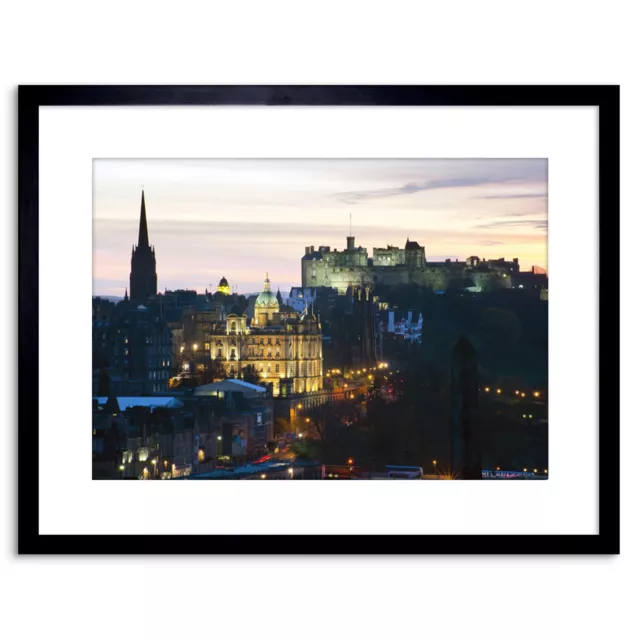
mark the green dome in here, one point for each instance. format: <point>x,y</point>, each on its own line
<point>267,298</point>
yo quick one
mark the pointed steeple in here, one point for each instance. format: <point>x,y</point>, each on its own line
<point>279,297</point>
<point>143,280</point>
<point>143,234</point>
<point>126,295</point>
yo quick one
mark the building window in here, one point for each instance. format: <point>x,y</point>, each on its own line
<point>207,346</point>
<point>219,353</point>
<point>277,368</point>
<point>233,326</point>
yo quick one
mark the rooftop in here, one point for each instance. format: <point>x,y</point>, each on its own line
<point>143,401</point>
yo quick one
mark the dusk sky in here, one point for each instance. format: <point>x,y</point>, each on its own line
<point>240,218</point>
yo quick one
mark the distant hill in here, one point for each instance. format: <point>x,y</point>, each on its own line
<point>110,298</point>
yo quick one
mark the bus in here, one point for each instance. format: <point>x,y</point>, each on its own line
<point>404,473</point>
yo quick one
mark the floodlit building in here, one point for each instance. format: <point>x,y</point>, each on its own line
<point>284,348</point>
<point>223,287</point>
<point>391,266</point>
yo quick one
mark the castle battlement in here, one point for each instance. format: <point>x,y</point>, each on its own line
<point>352,267</point>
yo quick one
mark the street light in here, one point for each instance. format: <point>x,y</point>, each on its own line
<point>291,472</point>
<point>434,467</point>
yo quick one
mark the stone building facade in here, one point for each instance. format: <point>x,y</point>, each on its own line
<point>284,347</point>
<point>132,350</point>
<point>394,266</point>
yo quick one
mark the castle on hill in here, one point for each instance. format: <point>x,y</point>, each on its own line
<point>352,267</point>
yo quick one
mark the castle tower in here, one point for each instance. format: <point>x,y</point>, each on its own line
<point>143,280</point>
<point>414,254</point>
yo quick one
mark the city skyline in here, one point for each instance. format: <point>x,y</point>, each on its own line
<point>205,216</point>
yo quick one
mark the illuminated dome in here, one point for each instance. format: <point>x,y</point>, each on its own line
<point>223,287</point>
<point>267,298</point>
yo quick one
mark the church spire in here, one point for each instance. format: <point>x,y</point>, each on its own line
<point>143,234</point>
<point>143,280</point>
<point>126,295</point>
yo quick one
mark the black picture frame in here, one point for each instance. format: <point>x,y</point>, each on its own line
<point>606,98</point>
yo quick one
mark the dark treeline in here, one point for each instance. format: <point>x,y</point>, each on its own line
<point>509,332</point>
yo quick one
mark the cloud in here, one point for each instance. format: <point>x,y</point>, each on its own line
<point>499,177</point>
<point>535,224</point>
<point>354,197</point>
<point>514,196</point>
<point>489,243</point>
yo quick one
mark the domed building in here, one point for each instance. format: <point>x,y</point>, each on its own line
<point>267,307</point>
<point>223,287</point>
<point>284,347</point>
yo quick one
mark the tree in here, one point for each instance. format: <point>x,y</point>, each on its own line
<point>500,329</point>
<point>250,374</point>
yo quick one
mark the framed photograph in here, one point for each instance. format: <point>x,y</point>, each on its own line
<point>319,283</point>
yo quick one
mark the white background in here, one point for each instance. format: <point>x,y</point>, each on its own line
<point>292,42</point>
<point>567,503</point>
